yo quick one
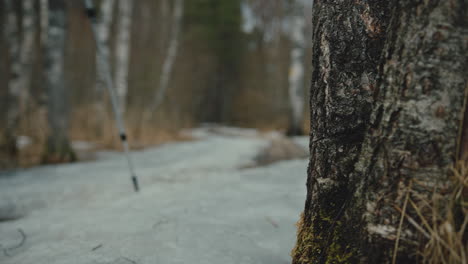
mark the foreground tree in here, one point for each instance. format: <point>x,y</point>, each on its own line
<point>387,103</point>
<point>58,145</point>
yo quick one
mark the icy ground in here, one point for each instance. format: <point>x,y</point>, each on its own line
<point>199,204</point>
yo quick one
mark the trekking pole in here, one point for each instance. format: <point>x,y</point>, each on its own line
<point>92,15</point>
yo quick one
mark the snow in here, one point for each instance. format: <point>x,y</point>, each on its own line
<point>197,205</point>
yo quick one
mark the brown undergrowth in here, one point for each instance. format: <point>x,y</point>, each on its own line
<point>104,133</point>
<point>100,131</point>
<point>84,127</point>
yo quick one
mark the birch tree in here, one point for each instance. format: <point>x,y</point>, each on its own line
<point>171,55</point>
<point>58,144</point>
<point>102,60</point>
<point>21,56</point>
<point>122,50</point>
<point>296,68</point>
<point>388,86</point>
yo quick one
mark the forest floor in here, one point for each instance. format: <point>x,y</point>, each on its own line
<point>201,201</point>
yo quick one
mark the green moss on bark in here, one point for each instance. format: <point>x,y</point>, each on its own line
<point>332,235</point>
<point>310,249</point>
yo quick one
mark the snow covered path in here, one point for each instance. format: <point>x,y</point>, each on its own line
<point>197,205</point>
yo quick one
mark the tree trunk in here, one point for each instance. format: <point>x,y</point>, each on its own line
<point>123,51</point>
<point>171,56</point>
<point>11,32</point>
<point>387,97</point>
<point>28,25</point>
<point>21,56</point>
<point>44,18</point>
<point>58,145</point>
<point>102,62</point>
<point>296,69</point>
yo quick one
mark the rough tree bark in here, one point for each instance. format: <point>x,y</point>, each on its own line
<point>122,51</point>
<point>386,100</point>
<point>21,56</point>
<point>58,147</point>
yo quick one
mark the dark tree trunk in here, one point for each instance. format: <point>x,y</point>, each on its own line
<point>58,147</point>
<point>11,33</point>
<point>387,97</point>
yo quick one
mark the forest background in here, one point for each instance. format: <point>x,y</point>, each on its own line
<point>175,64</point>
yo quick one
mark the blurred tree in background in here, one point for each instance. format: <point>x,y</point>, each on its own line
<point>176,64</point>
<point>215,29</point>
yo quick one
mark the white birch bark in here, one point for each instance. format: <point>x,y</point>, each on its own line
<point>296,69</point>
<point>171,55</point>
<point>21,55</point>
<point>122,51</point>
<point>103,36</point>
<point>102,60</point>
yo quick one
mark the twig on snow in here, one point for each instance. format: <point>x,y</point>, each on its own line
<point>21,243</point>
<point>96,247</point>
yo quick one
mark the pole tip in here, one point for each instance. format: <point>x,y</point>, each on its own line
<point>136,187</point>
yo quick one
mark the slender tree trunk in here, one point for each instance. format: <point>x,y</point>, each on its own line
<point>387,95</point>
<point>11,34</point>
<point>102,60</point>
<point>21,56</point>
<point>171,56</point>
<point>44,18</point>
<point>28,25</point>
<point>123,51</point>
<point>296,69</point>
<point>165,24</point>
<point>58,145</point>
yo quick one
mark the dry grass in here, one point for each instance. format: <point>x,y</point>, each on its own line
<point>442,219</point>
<point>280,148</point>
<point>105,134</point>
<point>33,126</point>
<point>84,126</point>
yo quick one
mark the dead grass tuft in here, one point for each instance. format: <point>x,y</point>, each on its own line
<point>280,148</point>
<point>104,134</point>
<point>442,219</point>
